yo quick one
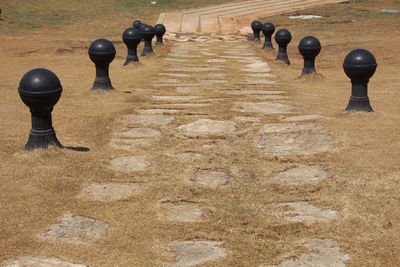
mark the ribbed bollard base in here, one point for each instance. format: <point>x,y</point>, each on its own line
<point>268,45</point>
<point>359,104</point>
<point>146,51</point>
<point>130,59</point>
<point>283,57</point>
<point>102,84</point>
<point>42,140</point>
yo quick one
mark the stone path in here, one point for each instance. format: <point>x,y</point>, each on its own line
<point>231,18</point>
<point>194,119</point>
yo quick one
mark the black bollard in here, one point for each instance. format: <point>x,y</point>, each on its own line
<point>102,53</point>
<point>137,24</point>
<point>283,38</point>
<point>40,90</point>
<point>148,35</point>
<point>160,31</point>
<point>309,48</point>
<point>268,29</point>
<point>131,38</point>
<point>359,65</point>
<point>256,27</point>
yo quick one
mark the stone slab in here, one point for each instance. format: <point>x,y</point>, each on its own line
<point>327,254</point>
<point>302,174</point>
<point>293,144</point>
<point>263,108</point>
<point>192,253</point>
<point>208,128</point>
<point>181,212</point>
<point>70,227</point>
<point>289,127</point>
<point>38,261</point>
<point>107,191</point>
<point>150,119</point>
<point>211,178</point>
<point>305,212</point>
<point>129,163</point>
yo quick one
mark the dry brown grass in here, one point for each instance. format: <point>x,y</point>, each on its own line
<point>38,187</point>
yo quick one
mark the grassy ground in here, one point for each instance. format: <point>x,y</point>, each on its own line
<point>38,187</point>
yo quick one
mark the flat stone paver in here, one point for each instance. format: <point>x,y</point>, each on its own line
<point>289,127</point>
<point>149,119</point>
<point>107,191</point>
<point>139,132</point>
<point>181,212</point>
<point>174,98</point>
<point>211,178</point>
<point>303,118</point>
<point>189,156</point>
<point>158,111</point>
<point>305,212</point>
<point>191,253</point>
<point>129,163</point>
<point>38,261</point>
<point>247,119</point>
<point>293,144</point>
<point>187,89</point>
<point>71,226</point>
<point>328,255</point>
<point>302,174</point>
<point>208,128</point>
<point>263,108</point>
<point>253,92</point>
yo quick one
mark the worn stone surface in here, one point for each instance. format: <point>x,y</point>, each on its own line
<point>107,191</point>
<point>187,89</point>
<point>305,212</point>
<point>191,253</point>
<point>253,92</point>
<point>260,75</point>
<point>175,74</point>
<point>187,105</point>
<point>247,119</point>
<point>289,127</point>
<point>139,132</point>
<point>302,174</point>
<point>71,226</point>
<point>214,81</point>
<point>158,111</point>
<point>258,66</point>
<point>189,156</point>
<point>216,75</point>
<point>131,144</point>
<point>259,81</point>
<point>263,108</point>
<point>174,98</point>
<point>208,128</point>
<point>211,178</point>
<point>129,163</point>
<point>293,144</point>
<point>216,60</point>
<point>303,118</point>
<point>38,261</point>
<point>181,211</point>
<point>328,255</point>
<point>149,119</point>
<point>270,97</point>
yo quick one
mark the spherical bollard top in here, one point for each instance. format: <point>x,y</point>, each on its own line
<point>309,46</point>
<point>148,32</point>
<point>40,88</point>
<point>268,29</point>
<point>102,51</point>
<point>131,34</point>
<point>283,37</point>
<point>256,26</point>
<point>160,30</point>
<point>137,24</point>
<point>360,64</point>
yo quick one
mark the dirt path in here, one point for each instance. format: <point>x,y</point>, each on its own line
<point>218,114</point>
<point>233,17</point>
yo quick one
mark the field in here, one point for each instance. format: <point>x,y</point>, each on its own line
<point>38,187</point>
